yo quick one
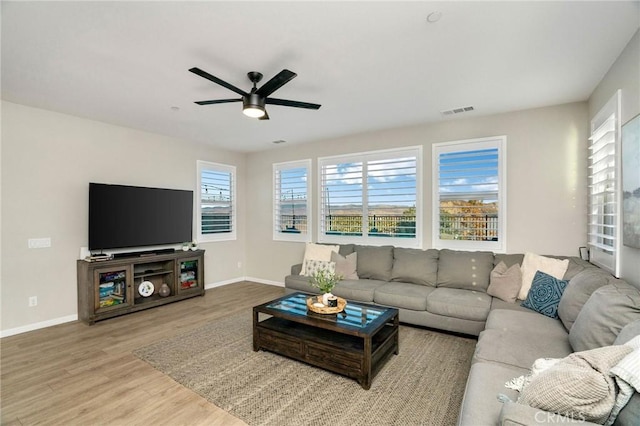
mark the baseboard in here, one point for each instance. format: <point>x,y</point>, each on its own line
<point>239,279</point>
<point>38,325</point>
<point>69,318</point>
<point>261,281</point>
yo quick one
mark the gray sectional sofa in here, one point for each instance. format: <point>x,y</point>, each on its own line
<point>447,290</point>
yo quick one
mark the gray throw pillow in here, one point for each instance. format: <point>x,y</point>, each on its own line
<point>415,266</point>
<point>505,282</point>
<point>346,265</point>
<point>375,262</point>
<point>577,293</point>
<point>606,312</point>
<point>465,270</point>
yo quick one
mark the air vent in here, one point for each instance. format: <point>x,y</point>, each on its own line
<point>457,110</point>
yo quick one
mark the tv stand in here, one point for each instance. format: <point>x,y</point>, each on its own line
<point>111,288</point>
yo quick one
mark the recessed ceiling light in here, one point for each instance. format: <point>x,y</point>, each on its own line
<point>434,17</point>
<point>175,108</point>
<point>279,141</point>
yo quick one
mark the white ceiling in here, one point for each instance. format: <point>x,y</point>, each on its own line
<point>372,65</point>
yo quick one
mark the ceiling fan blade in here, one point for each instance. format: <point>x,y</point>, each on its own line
<point>282,78</point>
<point>296,104</point>
<point>218,101</point>
<point>216,80</point>
<point>265,116</point>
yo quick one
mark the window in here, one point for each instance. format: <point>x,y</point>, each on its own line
<point>604,182</point>
<point>373,198</point>
<point>216,210</point>
<point>292,191</point>
<point>469,194</point>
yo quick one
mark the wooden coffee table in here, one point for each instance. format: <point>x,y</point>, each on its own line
<point>355,343</point>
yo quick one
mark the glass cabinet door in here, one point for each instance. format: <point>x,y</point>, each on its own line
<point>190,275</point>
<point>113,288</point>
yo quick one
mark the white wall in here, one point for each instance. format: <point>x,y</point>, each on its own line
<point>48,160</point>
<point>624,74</point>
<point>546,180</point>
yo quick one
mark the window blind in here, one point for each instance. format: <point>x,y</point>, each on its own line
<point>291,198</point>
<point>603,188</point>
<point>371,196</point>
<point>216,202</point>
<point>468,193</point>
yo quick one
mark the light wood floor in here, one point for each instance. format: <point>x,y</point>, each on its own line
<point>75,374</point>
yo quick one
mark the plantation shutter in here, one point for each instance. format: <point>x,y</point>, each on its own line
<point>217,203</point>
<point>468,194</point>
<point>291,195</point>
<point>371,195</point>
<point>603,177</point>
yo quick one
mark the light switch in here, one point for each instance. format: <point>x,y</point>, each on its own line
<point>39,242</point>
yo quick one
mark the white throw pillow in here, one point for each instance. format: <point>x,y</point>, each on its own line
<point>534,262</point>
<point>315,266</point>
<point>314,251</point>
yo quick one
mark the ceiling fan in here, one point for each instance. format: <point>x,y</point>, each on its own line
<point>254,101</point>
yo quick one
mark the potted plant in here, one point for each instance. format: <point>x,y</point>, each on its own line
<point>325,281</point>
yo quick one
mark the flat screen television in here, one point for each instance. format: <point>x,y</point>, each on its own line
<point>123,216</point>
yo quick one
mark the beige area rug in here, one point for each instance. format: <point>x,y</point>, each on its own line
<point>423,385</point>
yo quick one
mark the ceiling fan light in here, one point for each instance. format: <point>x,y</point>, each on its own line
<point>253,111</point>
<point>253,106</point>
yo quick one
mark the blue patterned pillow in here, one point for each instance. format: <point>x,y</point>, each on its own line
<point>545,294</point>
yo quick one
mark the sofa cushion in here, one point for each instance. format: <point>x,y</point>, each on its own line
<point>630,414</point>
<point>375,262</point>
<point>525,323</point>
<point>403,295</point>
<point>628,332</point>
<point>501,304</point>
<point>508,259</point>
<point>480,405</point>
<point>346,249</point>
<point>415,266</point>
<point>468,270</point>
<point>299,283</point>
<point>577,293</point>
<point>544,295</point>
<point>606,312</point>
<point>358,290</point>
<point>346,265</point>
<point>532,263</point>
<point>456,303</point>
<point>505,282</point>
<point>520,349</point>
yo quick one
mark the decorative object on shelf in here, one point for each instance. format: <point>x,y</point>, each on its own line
<point>186,246</point>
<point>164,290</point>
<point>146,288</point>
<point>325,281</point>
<point>194,245</point>
<point>314,304</point>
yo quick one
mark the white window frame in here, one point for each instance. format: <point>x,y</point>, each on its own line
<point>224,236</point>
<point>364,157</point>
<point>277,200</point>
<point>499,142</point>
<point>605,131</point>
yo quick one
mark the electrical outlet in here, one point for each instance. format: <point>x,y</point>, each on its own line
<point>239,265</point>
<point>39,242</point>
<point>33,301</point>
